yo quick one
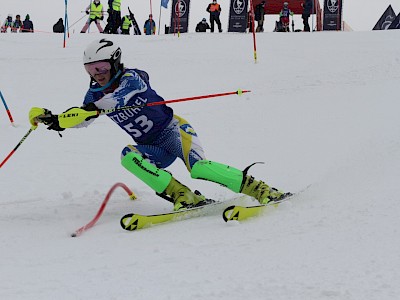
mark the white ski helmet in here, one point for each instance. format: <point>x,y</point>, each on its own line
<point>103,50</point>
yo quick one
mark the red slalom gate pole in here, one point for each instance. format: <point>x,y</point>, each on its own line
<point>238,92</point>
<point>89,225</point>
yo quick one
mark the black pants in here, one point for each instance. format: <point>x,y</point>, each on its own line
<point>215,18</point>
<point>305,22</point>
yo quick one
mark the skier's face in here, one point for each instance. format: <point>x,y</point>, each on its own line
<point>100,71</point>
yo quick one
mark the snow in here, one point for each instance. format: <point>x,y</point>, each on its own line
<point>322,114</point>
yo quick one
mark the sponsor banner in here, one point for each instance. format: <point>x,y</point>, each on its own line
<point>238,16</point>
<point>385,20</point>
<point>396,23</point>
<point>179,16</point>
<point>332,15</point>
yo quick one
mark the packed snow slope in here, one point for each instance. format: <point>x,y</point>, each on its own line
<point>323,113</point>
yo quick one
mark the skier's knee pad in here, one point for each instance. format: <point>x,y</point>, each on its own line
<point>154,177</point>
<point>225,175</point>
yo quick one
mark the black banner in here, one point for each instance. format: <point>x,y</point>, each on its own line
<point>179,16</point>
<point>396,23</point>
<point>332,15</point>
<point>238,16</point>
<point>386,19</point>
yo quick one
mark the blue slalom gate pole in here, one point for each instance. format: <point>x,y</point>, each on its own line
<point>7,110</point>
<point>65,22</point>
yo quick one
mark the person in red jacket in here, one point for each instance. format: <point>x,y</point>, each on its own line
<point>215,10</point>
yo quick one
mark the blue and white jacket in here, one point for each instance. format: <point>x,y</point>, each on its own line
<point>143,124</point>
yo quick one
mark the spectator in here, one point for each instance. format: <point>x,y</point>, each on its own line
<point>215,10</point>
<point>96,13</point>
<point>259,16</point>
<point>202,26</point>
<point>149,26</point>
<point>114,16</point>
<point>27,24</point>
<point>7,23</point>
<point>307,10</point>
<point>17,24</point>
<point>59,26</point>
<point>284,16</point>
<point>126,24</point>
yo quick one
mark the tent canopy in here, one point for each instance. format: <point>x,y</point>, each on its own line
<point>273,7</point>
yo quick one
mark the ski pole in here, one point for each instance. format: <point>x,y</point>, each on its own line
<point>75,116</point>
<point>19,144</point>
<point>7,110</point>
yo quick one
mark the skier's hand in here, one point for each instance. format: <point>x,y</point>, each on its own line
<point>101,18</point>
<point>37,115</point>
<point>87,12</point>
<point>90,107</point>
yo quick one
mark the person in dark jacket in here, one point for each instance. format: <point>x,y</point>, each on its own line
<point>215,10</point>
<point>59,26</point>
<point>28,25</point>
<point>202,26</point>
<point>307,10</point>
<point>259,16</point>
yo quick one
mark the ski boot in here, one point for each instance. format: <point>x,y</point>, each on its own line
<point>183,197</point>
<point>261,191</point>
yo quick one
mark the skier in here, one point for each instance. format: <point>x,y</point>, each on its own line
<point>202,26</point>
<point>96,13</point>
<point>284,16</point>
<point>7,23</point>
<point>160,136</point>
<point>215,10</point>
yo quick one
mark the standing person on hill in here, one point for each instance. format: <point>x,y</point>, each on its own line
<point>126,24</point>
<point>160,136</point>
<point>259,16</point>
<point>215,10</point>
<point>28,25</point>
<point>149,27</point>
<point>96,13</point>
<point>8,23</point>
<point>307,10</point>
<point>115,11</point>
<point>17,24</point>
<point>284,16</point>
<point>202,26</point>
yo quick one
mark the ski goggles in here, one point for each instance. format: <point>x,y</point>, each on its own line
<point>98,68</point>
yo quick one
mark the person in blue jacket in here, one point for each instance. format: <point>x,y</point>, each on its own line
<point>161,136</point>
<point>149,27</point>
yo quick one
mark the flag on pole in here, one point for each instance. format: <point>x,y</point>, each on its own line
<point>164,3</point>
